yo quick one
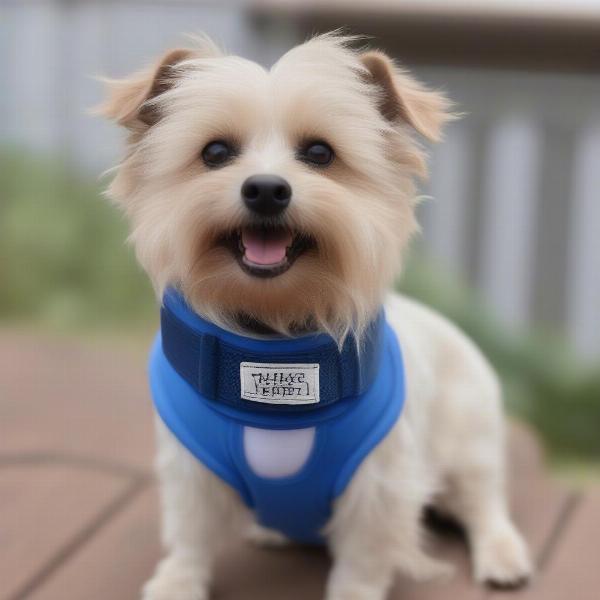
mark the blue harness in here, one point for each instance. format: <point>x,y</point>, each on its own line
<point>210,385</point>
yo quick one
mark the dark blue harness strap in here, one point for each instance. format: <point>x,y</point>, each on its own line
<point>183,347</point>
<point>212,365</point>
<point>207,364</point>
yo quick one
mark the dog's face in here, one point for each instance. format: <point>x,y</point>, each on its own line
<point>284,196</point>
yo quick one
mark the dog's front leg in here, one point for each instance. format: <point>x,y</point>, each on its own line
<point>358,578</point>
<point>366,559</point>
<point>376,528</point>
<point>197,511</point>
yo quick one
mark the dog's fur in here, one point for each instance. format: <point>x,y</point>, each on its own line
<point>448,446</point>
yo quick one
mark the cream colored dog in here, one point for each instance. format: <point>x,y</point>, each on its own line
<point>337,126</point>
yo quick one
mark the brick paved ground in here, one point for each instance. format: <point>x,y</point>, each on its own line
<point>78,504</point>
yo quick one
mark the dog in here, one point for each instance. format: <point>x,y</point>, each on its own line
<point>274,207</point>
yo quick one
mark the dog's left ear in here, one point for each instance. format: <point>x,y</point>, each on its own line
<point>128,101</point>
<point>405,100</point>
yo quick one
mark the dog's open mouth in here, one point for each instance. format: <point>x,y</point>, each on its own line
<point>267,251</point>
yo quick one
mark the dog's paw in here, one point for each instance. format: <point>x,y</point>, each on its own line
<point>501,559</point>
<point>176,579</point>
<point>265,538</point>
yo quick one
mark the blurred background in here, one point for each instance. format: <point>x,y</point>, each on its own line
<point>511,239</point>
<point>510,246</point>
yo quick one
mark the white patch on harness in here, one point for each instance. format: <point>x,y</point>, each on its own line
<point>271,453</point>
<point>277,383</point>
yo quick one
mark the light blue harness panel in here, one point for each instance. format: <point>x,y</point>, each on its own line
<point>212,428</point>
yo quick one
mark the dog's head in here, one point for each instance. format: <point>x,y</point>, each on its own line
<point>284,196</point>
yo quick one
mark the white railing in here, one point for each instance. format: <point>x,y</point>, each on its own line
<point>516,190</point>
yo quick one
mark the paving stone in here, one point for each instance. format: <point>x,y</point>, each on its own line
<point>63,396</point>
<point>115,562</point>
<point>572,571</point>
<point>44,508</point>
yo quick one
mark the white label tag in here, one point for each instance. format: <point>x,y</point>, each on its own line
<point>276,383</point>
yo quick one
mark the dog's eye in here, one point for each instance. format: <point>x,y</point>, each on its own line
<point>317,153</point>
<point>217,153</point>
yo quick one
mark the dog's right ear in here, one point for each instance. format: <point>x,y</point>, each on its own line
<point>405,100</point>
<point>128,98</point>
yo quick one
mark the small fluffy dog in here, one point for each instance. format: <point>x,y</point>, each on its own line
<point>279,203</point>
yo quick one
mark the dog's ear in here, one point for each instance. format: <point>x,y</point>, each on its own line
<point>128,98</point>
<point>404,99</point>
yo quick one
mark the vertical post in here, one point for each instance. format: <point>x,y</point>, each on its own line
<point>583,310</point>
<point>511,183</point>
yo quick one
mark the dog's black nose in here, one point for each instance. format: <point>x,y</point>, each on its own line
<point>266,195</point>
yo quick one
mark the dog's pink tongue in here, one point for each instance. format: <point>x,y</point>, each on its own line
<point>266,247</point>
